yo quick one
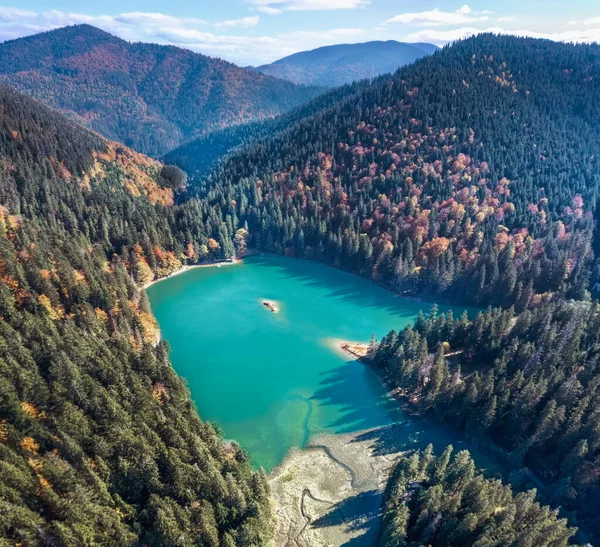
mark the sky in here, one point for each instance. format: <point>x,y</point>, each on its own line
<point>254,32</point>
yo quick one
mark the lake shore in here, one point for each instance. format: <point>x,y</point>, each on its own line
<point>327,491</point>
<point>238,260</point>
<point>331,492</point>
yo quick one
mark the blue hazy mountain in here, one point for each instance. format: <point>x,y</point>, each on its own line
<point>332,66</point>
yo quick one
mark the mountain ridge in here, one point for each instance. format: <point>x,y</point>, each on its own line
<point>332,66</point>
<point>148,96</point>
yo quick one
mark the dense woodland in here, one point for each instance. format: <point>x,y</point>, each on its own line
<point>148,96</point>
<point>444,502</point>
<point>527,384</point>
<point>99,441</point>
<point>470,176</point>
<point>472,173</point>
<point>199,156</point>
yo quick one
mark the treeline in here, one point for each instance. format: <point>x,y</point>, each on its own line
<point>443,501</point>
<point>471,174</point>
<point>526,383</point>
<point>100,443</point>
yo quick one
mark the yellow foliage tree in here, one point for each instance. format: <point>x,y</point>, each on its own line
<point>55,313</point>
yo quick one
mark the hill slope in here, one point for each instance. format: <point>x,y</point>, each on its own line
<point>443,501</point>
<point>148,96</point>
<point>478,160</point>
<point>100,443</point>
<point>332,66</point>
<point>198,156</point>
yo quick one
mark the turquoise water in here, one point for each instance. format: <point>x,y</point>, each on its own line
<point>272,380</point>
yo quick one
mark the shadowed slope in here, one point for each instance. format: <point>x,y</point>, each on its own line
<point>150,97</point>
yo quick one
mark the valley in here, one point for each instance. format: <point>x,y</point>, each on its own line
<point>147,96</point>
<point>162,385</point>
<point>280,386</point>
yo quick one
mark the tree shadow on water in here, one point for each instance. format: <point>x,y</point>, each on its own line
<point>363,406</point>
<point>343,286</point>
<point>360,400</point>
<point>415,433</point>
<point>357,513</point>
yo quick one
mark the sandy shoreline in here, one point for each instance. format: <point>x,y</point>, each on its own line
<point>347,348</point>
<point>239,259</point>
<point>189,267</point>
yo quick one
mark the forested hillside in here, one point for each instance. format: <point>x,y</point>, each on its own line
<point>471,174</point>
<point>148,96</point>
<point>526,383</point>
<point>443,501</point>
<point>333,66</point>
<point>100,443</point>
<point>199,156</point>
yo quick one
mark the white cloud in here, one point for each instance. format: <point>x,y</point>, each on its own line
<point>441,37</point>
<point>15,23</point>
<point>592,21</point>
<point>274,7</point>
<point>190,33</point>
<point>437,17</point>
<point>244,22</point>
<point>12,14</point>
<point>269,11</point>
<point>506,19</point>
<point>195,34</point>
<point>259,50</point>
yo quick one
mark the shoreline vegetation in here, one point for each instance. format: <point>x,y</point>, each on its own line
<point>215,264</point>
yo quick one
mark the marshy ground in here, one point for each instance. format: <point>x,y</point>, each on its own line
<point>330,493</point>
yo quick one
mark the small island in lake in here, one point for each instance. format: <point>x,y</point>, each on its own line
<point>270,305</point>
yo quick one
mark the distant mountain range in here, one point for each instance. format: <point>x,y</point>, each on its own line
<point>332,66</point>
<point>150,97</point>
